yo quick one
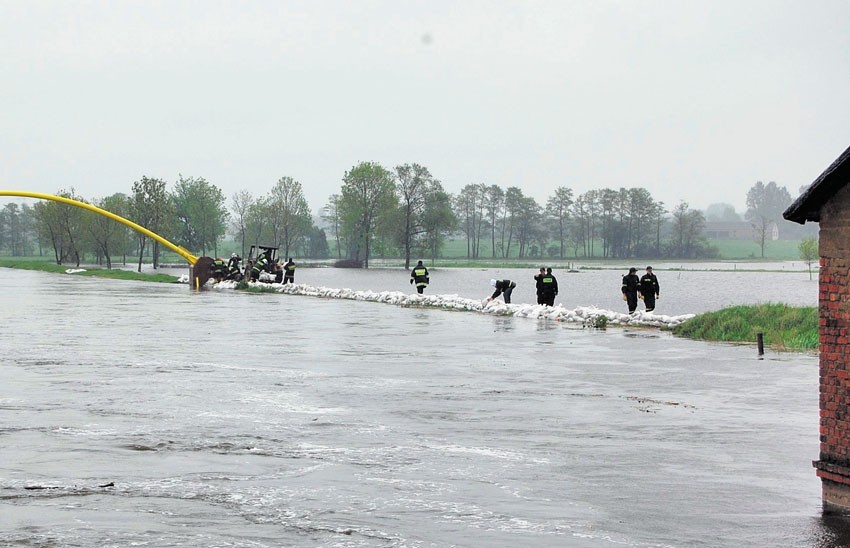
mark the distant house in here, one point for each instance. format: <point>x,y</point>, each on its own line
<point>728,230</point>
<point>737,230</point>
<point>827,202</point>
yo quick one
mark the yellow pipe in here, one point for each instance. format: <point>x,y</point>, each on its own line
<point>175,248</point>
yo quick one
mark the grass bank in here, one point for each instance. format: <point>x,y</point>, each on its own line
<point>784,327</point>
<point>115,274</point>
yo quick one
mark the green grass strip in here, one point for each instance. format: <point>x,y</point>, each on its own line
<point>784,327</point>
<point>115,273</point>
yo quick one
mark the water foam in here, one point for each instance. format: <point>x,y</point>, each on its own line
<point>585,315</point>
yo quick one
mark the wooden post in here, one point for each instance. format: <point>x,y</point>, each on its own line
<point>760,339</point>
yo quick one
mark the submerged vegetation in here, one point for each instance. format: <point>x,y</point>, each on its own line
<point>116,274</point>
<point>784,327</point>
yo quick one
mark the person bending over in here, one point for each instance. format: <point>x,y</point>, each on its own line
<point>505,287</point>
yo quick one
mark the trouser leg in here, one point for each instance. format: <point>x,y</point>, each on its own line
<point>649,301</point>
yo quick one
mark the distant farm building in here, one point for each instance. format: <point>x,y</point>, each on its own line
<point>737,230</point>
<point>827,202</point>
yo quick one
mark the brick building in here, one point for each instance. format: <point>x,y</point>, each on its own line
<point>827,202</point>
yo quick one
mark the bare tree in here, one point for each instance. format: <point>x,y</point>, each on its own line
<point>242,202</point>
<point>330,213</point>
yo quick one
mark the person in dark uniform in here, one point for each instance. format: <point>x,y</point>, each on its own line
<point>219,269</point>
<point>502,286</point>
<point>255,270</point>
<point>233,271</point>
<point>419,276</point>
<point>549,288</point>
<point>289,271</point>
<point>649,289</point>
<point>631,288</point>
<point>263,262</point>
<point>538,279</point>
<point>277,268</point>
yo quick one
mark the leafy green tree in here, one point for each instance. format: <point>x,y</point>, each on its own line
<point>414,184</point>
<point>586,212</point>
<point>558,208</point>
<point>367,196</point>
<point>494,203</point>
<point>438,220</point>
<point>62,225</point>
<point>200,213</point>
<point>765,204</point>
<point>150,207</point>
<point>809,252</point>
<point>688,226</point>
<point>315,244</point>
<point>659,211</point>
<point>512,216</point>
<point>107,235</point>
<point>607,201</point>
<point>290,218</point>
<point>639,230</point>
<point>469,208</point>
<point>527,219</point>
<point>47,228</point>
<point>257,226</point>
<point>16,229</point>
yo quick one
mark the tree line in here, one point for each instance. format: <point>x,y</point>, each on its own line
<point>192,214</point>
<point>378,212</point>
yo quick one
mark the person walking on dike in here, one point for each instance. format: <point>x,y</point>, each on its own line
<point>631,288</point>
<point>650,289</point>
<point>419,276</point>
<point>289,271</point>
<point>538,280</point>
<point>502,286</point>
<point>549,288</point>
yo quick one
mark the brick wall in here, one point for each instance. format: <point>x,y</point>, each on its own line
<point>834,311</point>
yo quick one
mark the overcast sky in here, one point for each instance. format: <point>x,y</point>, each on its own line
<point>693,100</point>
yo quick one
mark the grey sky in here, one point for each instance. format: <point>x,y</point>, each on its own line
<point>695,101</point>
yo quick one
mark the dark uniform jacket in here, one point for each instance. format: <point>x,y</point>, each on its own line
<point>631,284</point>
<point>218,268</point>
<point>419,275</point>
<point>649,285</point>
<point>233,270</point>
<point>548,285</point>
<point>502,285</point>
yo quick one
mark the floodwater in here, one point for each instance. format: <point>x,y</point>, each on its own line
<point>682,292</point>
<point>136,414</point>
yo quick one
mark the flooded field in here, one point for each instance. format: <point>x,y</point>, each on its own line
<point>682,292</point>
<point>137,414</point>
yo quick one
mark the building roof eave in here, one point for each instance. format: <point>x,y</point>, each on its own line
<point>808,205</point>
